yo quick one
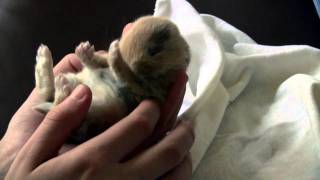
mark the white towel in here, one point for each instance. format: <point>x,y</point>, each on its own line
<point>256,107</point>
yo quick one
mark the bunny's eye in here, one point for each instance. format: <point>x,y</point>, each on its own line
<point>159,37</point>
<point>155,49</point>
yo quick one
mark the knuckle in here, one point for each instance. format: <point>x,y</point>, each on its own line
<point>189,164</point>
<point>140,175</point>
<point>173,154</point>
<point>188,133</point>
<point>54,115</point>
<point>153,107</point>
<point>71,56</point>
<point>144,124</point>
<point>90,164</point>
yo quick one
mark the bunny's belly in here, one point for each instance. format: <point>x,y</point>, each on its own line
<point>107,106</point>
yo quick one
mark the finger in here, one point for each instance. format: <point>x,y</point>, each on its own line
<point>171,107</point>
<point>66,147</point>
<point>56,127</point>
<point>181,172</point>
<point>70,63</point>
<point>165,155</point>
<point>168,114</point>
<point>32,118</point>
<point>120,139</point>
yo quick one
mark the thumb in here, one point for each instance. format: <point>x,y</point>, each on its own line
<point>57,126</point>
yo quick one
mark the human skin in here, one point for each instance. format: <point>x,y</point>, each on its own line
<point>33,146</point>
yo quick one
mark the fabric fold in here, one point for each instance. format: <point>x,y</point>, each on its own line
<point>255,107</point>
<point>205,70</point>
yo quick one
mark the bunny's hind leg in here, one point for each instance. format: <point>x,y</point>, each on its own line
<point>64,85</point>
<point>44,73</point>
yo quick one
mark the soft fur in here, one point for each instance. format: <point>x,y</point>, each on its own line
<point>141,65</point>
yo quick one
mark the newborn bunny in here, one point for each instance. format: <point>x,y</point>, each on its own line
<point>143,64</point>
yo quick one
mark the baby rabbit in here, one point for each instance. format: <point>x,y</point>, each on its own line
<point>142,64</point>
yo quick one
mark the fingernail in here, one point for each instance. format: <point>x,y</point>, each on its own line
<point>187,78</point>
<point>167,133</point>
<point>183,76</point>
<point>79,92</point>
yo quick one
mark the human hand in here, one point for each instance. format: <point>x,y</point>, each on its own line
<point>100,157</point>
<point>25,122</point>
<point>37,158</point>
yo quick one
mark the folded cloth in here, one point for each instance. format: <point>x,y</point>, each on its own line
<point>317,4</point>
<point>255,107</point>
